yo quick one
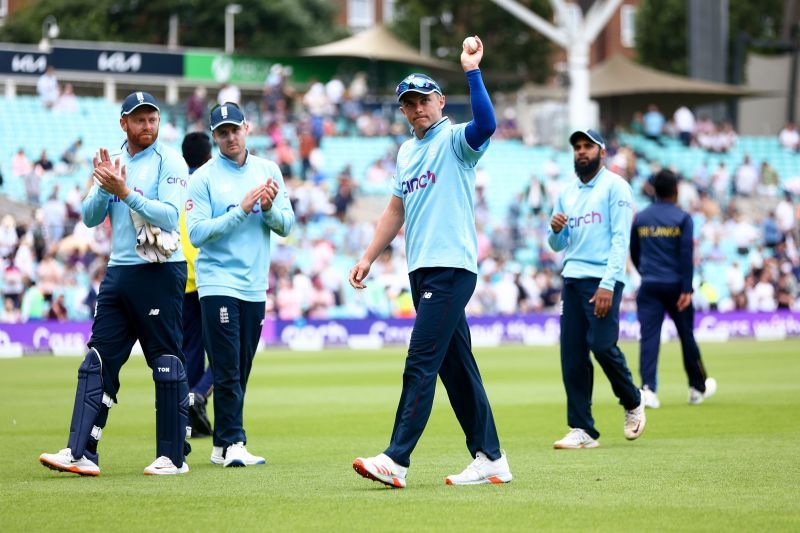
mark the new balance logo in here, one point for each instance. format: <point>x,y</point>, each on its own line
<point>427,295</point>
<point>154,312</point>
<point>223,315</point>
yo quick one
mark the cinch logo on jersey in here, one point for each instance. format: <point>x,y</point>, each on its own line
<point>256,208</point>
<point>589,218</point>
<point>415,184</point>
<point>115,199</point>
<point>179,181</point>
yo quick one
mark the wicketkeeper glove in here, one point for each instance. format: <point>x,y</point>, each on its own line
<point>151,244</point>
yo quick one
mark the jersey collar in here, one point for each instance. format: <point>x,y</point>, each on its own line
<point>149,149</point>
<point>593,181</point>
<point>432,131</point>
<point>233,164</point>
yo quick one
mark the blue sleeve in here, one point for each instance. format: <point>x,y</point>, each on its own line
<point>202,227</point>
<point>280,218</point>
<point>94,207</point>
<point>636,249</point>
<point>164,211</point>
<point>483,123</point>
<point>557,241</point>
<point>621,209</point>
<point>687,254</point>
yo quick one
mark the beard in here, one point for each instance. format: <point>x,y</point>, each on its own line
<point>587,169</point>
<point>142,140</point>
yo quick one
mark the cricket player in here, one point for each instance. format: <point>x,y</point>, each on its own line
<point>662,249</point>
<point>236,201</point>
<point>434,192</point>
<point>196,148</point>
<point>591,221</point>
<point>141,296</point>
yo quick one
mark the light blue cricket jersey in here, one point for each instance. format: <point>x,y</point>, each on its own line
<point>436,180</point>
<point>598,229</point>
<point>157,178</point>
<point>234,247</point>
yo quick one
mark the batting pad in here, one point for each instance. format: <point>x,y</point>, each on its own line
<point>90,411</point>
<point>172,407</point>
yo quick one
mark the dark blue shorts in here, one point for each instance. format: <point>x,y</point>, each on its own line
<point>138,302</point>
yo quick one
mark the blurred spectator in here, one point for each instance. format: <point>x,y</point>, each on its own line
<point>343,198</point>
<point>770,181</point>
<point>229,93</point>
<point>54,212</point>
<point>73,156</point>
<point>785,215</point>
<point>67,102</point>
<point>746,178</point>
<point>47,87</point>
<point>196,105</point>
<point>637,123</point>
<point>653,123</point>
<point>20,164</point>
<point>335,90</point>
<point>10,313</point>
<point>789,137</point>
<point>44,162</point>
<point>34,305</point>
<point>684,123</point>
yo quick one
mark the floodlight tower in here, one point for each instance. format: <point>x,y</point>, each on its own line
<point>576,30</point>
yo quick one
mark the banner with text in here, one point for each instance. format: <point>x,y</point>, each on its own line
<point>69,338</point>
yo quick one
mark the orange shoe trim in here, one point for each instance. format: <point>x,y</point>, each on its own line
<point>72,469</point>
<point>361,470</point>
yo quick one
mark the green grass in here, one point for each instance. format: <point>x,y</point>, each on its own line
<point>729,464</point>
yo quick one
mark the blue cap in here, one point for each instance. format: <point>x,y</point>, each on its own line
<point>138,99</point>
<point>417,83</point>
<point>227,113</point>
<point>592,135</point>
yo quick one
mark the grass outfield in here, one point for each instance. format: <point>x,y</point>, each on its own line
<point>729,464</point>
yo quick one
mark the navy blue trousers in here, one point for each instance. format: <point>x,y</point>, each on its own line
<point>143,302</point>
<point>582,332</point>
<point>652,301</point>
<point>200,377</point>
<point>441,344</point>
<point>231,329</point>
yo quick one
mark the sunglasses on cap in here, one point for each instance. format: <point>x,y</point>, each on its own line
<point>417,83</point>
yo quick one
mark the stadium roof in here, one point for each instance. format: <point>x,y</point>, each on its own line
<point>619,76</point>
<point>377,44</point>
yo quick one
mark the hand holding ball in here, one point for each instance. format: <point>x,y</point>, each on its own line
<point>470,45</point>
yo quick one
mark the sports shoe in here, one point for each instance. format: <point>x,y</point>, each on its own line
<point>650,399</point>
<point>163,466</point>
<point>482,470</point>
<point>383,469</point>
<point>64,462</point>
<point>696,397</point>
<point>198,419</point>
<point>576,439</point>
<point>237,455</point>
<point>635,420</point>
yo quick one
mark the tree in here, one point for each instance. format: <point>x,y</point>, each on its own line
<point>662,39</point>
<point>273,27</point>
<point>514,53</point>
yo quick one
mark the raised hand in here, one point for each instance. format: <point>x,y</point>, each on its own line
<point>111,178</point>
<point>469,59</point>
<point>252,196</point>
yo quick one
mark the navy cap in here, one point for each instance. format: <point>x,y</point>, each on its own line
<point>138,99</point>
<point>417,83</point>
<point>592,135</point>
<point>227,113</point>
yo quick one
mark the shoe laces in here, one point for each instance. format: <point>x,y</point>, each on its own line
<point>163,462</point>
<point>632,416</point>
<point>477,465</point>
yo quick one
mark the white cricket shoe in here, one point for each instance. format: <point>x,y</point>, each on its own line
<point>576,439</point>
<point>383,469</point>
<point>237,455</point>
<point>163,466</point>
<point>482,470</point>
<point>64,462</point>
<point>650,399</point>
<point>635,420</point>
<point>696,397</point>
<point>216,455</point>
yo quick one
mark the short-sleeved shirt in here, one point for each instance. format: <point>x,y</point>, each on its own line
<point>436,180</point>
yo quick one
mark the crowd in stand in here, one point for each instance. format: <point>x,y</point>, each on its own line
<point>51,267</point>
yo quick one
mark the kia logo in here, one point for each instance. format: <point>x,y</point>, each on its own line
<point>117,62</point>
<point>28,63</point>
